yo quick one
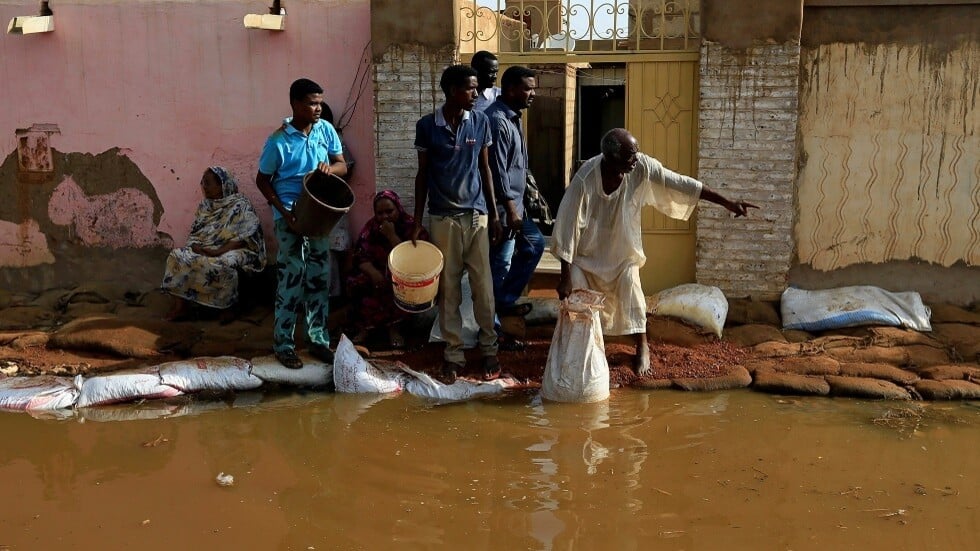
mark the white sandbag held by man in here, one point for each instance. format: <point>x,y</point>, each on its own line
<point>577,369</point>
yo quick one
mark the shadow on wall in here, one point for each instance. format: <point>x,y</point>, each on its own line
<point>81,218</point>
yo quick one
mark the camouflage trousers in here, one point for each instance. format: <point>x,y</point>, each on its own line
<point>303,282</point>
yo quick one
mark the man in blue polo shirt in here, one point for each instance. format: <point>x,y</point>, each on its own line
<point>305,144</point>
<point>454,176</point>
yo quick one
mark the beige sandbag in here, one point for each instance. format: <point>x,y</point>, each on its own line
<point>808,365</point>
<point>865,387</point>
<point>879,371</point>
<point>962,338</point>
<point>674,331</point>
<point>755,364</point>
<point>751,335</point>
<point>949,371</point>
<point>797,335</point>
<point>948,390</point>
<point>652,384</point>
<point>26,317</point>
<point>738,377</point>
<point>947,313</point>
<point>790,383</point>
<point>130,338</point>
<point>778,349</point>
<point>743,311</point>
<point>915,355</point>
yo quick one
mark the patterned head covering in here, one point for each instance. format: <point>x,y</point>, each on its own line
<point>229,186</point>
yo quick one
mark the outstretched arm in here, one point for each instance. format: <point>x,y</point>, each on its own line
<point>739,208</point>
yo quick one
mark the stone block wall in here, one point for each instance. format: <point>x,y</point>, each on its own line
<point>406,88</point>
<point>748,150</point>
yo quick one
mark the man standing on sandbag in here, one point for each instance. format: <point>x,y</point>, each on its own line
<point>307,143</point>
<point>597,234</point>
<point>454,177</point>
<point>513,261</point>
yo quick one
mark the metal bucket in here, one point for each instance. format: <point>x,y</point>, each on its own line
<point>324,200</point>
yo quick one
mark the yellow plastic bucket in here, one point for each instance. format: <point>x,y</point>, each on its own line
<point>415,275</point>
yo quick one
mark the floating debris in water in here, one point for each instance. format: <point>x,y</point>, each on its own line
<point>225,479</point>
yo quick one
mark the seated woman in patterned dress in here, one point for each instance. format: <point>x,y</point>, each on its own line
<point>369,283</point>
<point>226,237</point>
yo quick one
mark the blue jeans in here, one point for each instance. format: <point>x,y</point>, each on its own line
<point>512,264</point>
<point>304,282</point>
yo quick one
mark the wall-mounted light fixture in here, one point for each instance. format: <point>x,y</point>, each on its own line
<point>275,20</point>
<point>43,22</point>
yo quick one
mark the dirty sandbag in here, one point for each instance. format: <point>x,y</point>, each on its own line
<point>424,386</point>
<point>853,306</point>
<point>313,374</point>
<point>123,386</point>
<point>577,369</point>
<point>353,374</point>
<point>44,392</point>
<point>218,373</point>
<point>702,305</point>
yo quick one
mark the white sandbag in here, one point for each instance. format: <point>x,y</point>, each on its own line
<point>701,305</point>
<point>471,331</point>
<point>123,386</point>
<point>219,373</point>
<point>44,392</point>
<point>353,374</point>
<point>851,307</point>
<point>577,369</point>
<point>424,386</point>
<point>129,412</point>
<point>314,374</point>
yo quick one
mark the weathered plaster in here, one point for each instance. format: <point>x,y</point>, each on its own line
<point>123,218</point>
<point>426,24</point>
<point>23,244</point>
<point>738,24</point>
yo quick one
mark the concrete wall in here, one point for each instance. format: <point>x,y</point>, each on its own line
<point>124,105</point>
<point>748,118</point>
<point>414,42</point>
<point>889,189</point>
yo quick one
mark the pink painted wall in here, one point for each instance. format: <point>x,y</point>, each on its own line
<point>179,85</point>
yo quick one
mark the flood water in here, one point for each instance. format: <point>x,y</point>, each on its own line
<point>645,470</point>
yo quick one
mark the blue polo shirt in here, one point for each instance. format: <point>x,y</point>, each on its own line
<point>454,161</point>
<point>289,154</point>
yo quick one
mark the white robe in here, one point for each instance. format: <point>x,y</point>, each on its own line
<point>599,235</point>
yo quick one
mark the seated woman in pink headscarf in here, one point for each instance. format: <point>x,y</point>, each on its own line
<point>369,283</point>
<point>225,237</point>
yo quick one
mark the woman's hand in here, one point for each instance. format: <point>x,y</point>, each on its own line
<point>204,251</point>
<point>388,230</point>
<point>377,278</point>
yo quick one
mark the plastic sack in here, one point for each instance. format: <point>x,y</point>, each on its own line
<point>851,307</point>
<point>313,375</point>
<point>353,374</point>
<point>44,392</point>
<point>470,331</point>
<point>220,373</point>
<point>702,305</point>
<point>123,386</point>
<point>577,369</point>
<point>424,386</point>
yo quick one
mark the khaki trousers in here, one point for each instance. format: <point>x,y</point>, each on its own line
<point>465,244</point>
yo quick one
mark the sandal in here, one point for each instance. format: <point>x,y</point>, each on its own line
<point>491,368</point>
<point>321,353</point>
<point>289,359</point>
<point>449,370</point>
<point>508,343</point>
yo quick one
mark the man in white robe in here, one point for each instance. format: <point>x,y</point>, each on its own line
<point>597,233</point>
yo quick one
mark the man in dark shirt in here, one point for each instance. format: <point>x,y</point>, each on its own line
<point>454,178</point>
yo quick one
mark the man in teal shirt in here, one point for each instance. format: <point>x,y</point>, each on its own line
<point>305,144</point>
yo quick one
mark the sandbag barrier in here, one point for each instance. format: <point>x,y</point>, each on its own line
<point>221,375</point>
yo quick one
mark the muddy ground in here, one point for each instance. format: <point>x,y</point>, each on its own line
<point>100,328</point>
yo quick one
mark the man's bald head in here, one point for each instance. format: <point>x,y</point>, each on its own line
<point>619,147</point>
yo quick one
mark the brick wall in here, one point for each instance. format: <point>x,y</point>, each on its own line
<point>406,81</point>
<point>748,150</point>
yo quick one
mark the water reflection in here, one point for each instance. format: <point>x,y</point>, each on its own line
<point>737,470</point>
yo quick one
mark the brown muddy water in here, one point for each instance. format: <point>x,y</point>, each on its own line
<point>645,470</point>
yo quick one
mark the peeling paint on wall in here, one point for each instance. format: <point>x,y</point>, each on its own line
<point>123,218</point>
<point>23,245</point>
<point>890,137</point>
